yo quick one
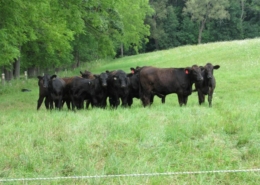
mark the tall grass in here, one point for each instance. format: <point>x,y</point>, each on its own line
<point>160,138</point>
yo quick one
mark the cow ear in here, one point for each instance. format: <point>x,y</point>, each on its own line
<point>81,73</point>
<point>216,67</point>
<point>202,68</point>
<point>96,76</point>
<point>107,71</point>
<point>39,77</point>
<point>53,76</point>
<point>132,70</point>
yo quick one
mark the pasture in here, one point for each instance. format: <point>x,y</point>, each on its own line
<point>156,139</point>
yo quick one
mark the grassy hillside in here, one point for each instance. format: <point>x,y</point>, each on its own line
<point>156,139</point>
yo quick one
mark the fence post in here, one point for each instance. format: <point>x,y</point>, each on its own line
<point>25,75</point>
<point>3,79</point>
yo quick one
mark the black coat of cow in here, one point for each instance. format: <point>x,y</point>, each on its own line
<point>43,91</point>
<point>133,86</point>
<point>94,90</point>
<point>99,90</point>
<point>80,91</point>
<point>56,88</point>
<point>207,86</point>
<point>117,88</point>
<point>163,81</point>
<point>134,91</point>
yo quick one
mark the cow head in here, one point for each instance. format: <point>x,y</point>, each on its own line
<point>119,77</point>
<point>208,70</point>
<point>103,79</point>
<point>194,72</point>
<point>87,75</point>
<point>43,80</point>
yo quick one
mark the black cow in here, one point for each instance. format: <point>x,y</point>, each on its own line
<point>56,88</point>
<point>207,86</point>
<point>99,90</point>
<point>133,86</point>
<point>134,91</point>
<point>163,81</point>
<point>66,95</point>
<point>79,92</point>
<point>117,88</point>
<point>43,91</point>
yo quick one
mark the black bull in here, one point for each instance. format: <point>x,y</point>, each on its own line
<point>163,81</point>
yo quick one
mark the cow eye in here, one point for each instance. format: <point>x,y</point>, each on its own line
<point>115,78</point>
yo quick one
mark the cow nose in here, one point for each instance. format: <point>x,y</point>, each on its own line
<point>123,86</point>
<point>104,84</point>
<point>209,77</point>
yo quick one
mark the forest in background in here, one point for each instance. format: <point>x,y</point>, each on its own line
<point>37,36</point>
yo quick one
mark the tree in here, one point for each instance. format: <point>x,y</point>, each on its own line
<point>202,11</point>
<point>135,30</point>
<point>156,21</point>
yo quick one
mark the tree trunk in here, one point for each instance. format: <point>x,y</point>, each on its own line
<point>156,44</point>
<point>122,50</point>
<point>31,71</point>
<point>242,19</point>
<point>8,73</point>
<point>17,68</point>
<point>202,25</point>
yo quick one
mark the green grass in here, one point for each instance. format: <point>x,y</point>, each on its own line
<point>156,139</point>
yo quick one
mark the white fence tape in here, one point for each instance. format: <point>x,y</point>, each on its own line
<point>126,175</point>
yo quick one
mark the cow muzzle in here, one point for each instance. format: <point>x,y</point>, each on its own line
<point>200,79</point>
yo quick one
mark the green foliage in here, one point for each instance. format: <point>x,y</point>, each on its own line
<point>202,11</point>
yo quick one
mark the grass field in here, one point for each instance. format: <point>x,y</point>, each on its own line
<point>137,140</point>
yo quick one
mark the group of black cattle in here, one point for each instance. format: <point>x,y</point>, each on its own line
<point>142,83</point>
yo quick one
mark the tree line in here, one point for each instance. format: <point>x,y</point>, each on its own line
<point>53,34</point>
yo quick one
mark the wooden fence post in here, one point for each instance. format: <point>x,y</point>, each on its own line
<point>3,79</point>
<point>25,75</point>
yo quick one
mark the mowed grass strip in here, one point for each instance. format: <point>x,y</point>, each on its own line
<point>155,139</point>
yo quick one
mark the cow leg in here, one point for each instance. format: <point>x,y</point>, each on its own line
<point>185,100</point>
<point>40,100</point>
<point>146,98</point>
<point>114,101</point>
<point>124,101</point>
<point>47,103</point>
<point>151,99</point>
<point>73,102</point>
<point>180,99</point>
<point>210,96</point>
<point>51,103</point>
<point>88,103</point>
<point>201,97</point>
<point>104,102</point>
<point>68,104</point>
<point>60,102</point>
<point>163,99</point>
<point>129,101</point>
